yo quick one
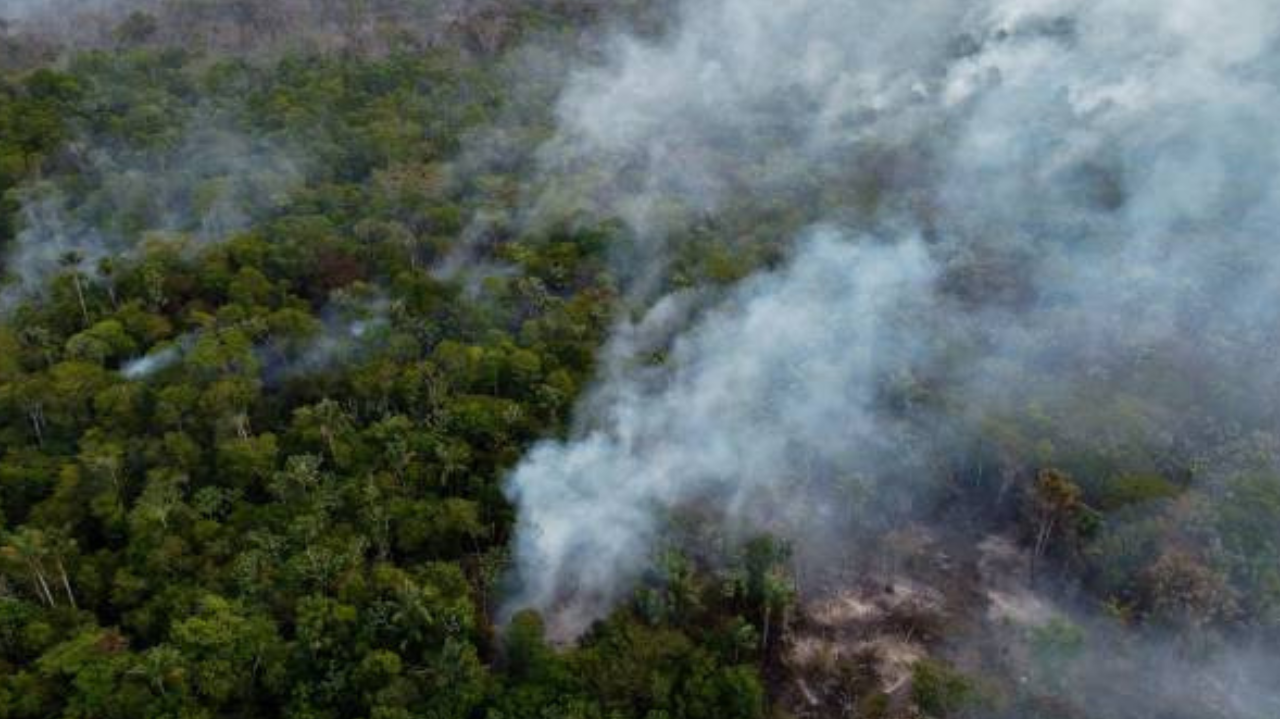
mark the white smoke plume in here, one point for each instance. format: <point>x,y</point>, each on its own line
<point>782,376</point>
<point>160,358</point>
<point>144,367</point>
<point>1098,188</point>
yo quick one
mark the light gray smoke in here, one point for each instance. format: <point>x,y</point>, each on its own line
<point>204,188</point>
<point>1097,183</point>
<point>21,9</point>
<point>353,323</point>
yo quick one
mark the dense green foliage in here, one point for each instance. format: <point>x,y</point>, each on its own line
<point>296,510</point>
<point>253,431</point>
<point>33,123</point>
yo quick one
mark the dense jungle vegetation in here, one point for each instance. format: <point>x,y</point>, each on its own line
<point>255,422</point>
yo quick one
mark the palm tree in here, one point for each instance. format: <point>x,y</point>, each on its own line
<point>107,270</point>
<point>26,547</point>
<point>60,544</point>
<point>71,260</point>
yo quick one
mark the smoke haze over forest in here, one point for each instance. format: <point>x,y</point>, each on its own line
<point>1110,162</point>
<point>706,359</point>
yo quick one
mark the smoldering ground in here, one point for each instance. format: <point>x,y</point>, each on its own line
<point>1078,233</point>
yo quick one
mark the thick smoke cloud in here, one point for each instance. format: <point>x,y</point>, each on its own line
<point>804,348</point>
<point>1097,189</point>
<point>746,97</point>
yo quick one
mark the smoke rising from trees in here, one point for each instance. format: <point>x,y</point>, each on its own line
<point>1074,228</point>
<point>206,186</point>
